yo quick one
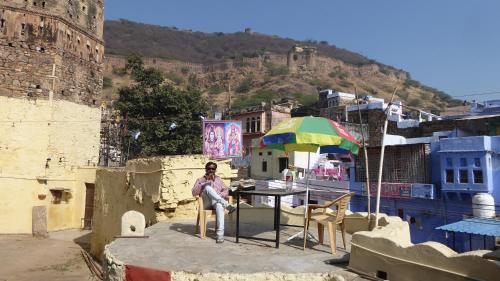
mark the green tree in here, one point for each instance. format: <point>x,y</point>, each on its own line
<point>134,63</point>
<point>167,118</point>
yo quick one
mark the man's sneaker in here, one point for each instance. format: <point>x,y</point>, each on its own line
<point>219,240</point>
<point>231,209</point>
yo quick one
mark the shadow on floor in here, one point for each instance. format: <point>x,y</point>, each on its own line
<point>186,228</point>
<point>83,241</point>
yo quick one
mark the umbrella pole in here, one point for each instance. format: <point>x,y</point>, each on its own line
<point>307,183</point>
<point>381,164</point>
<point>306,204</point>
<point>307,234</point>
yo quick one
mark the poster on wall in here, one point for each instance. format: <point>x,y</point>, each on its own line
<point>222,139</point>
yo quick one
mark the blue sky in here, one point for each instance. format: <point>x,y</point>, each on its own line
<point>452,45</point>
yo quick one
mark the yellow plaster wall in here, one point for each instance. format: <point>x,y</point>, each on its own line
<point>32,132</point>
<point>389,249</point>
<point>158,187</point>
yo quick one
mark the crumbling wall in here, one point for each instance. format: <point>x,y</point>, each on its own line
<point>158,187</point>
<point>387,251</point>
<point>301,58</point>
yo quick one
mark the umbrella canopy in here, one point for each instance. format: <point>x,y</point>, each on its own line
<point>307,134</point>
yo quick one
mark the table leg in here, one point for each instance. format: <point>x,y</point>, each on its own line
<point>275,204</point>
<point>278,214</point>
<point>237,216</point>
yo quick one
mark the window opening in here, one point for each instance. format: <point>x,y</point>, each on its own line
<point>450,176</point>
<point>464,177</point>
<point>478,176</point>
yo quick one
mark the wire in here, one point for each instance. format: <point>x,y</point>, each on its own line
<point>479,94</point>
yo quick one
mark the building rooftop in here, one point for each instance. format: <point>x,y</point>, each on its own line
<point>173,246</point>
<point>333,94</point>
<point>479,226</point>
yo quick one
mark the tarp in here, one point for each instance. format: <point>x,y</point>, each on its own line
<point>136,273</point>
<point>479,226</point>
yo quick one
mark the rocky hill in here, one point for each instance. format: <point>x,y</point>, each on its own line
<point>245,68</point>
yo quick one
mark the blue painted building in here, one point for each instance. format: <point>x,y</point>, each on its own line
<point>469,165</point>
<point>460,167</point>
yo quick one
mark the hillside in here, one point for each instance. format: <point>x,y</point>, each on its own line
<point>250,67</point>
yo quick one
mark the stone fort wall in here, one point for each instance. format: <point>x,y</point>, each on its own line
<point>52,49</point>
<point>114,62</point>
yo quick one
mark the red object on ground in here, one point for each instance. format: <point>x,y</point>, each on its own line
<point>136,273</point>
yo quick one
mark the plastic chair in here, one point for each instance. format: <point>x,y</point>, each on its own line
<point>203,217</point>
<point>331,220</point>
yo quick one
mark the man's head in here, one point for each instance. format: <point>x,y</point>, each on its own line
<point>210,168</point>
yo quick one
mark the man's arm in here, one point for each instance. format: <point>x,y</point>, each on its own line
<point>198,187</point>
<point>224,193</point>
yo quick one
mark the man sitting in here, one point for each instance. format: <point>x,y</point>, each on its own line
<point>213,191</point>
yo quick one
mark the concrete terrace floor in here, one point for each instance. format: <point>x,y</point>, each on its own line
<point>173,246</point>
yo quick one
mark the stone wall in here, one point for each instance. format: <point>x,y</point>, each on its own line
<point>82,14</point>
<point>113,62</point>
<point>301,58</point>
<point>159,188</point>
<point>45,55</point>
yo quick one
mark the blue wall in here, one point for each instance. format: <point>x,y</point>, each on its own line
<point>469,154</point>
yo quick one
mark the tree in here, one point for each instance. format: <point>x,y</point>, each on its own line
<point>134,63</point>
<point>168,119</point>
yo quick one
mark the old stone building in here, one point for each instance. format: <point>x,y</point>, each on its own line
<point>52,46</point>
<point>301,58</point>
<point>51,55</point>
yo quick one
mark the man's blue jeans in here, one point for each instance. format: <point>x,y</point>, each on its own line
<point>212,200</point>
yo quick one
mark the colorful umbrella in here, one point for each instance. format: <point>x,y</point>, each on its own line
<point>307,134</point>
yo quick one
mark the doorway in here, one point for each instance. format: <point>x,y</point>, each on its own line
<point>283,163</point>
<point>89,205</point>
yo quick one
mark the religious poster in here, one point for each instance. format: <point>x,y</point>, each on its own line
<point>222,139</point>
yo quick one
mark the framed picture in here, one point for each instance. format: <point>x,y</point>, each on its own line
<point>222,139</point>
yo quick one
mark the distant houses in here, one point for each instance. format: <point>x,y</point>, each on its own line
<point>434,165</point>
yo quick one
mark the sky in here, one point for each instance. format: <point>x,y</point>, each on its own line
<point>452,45</point>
